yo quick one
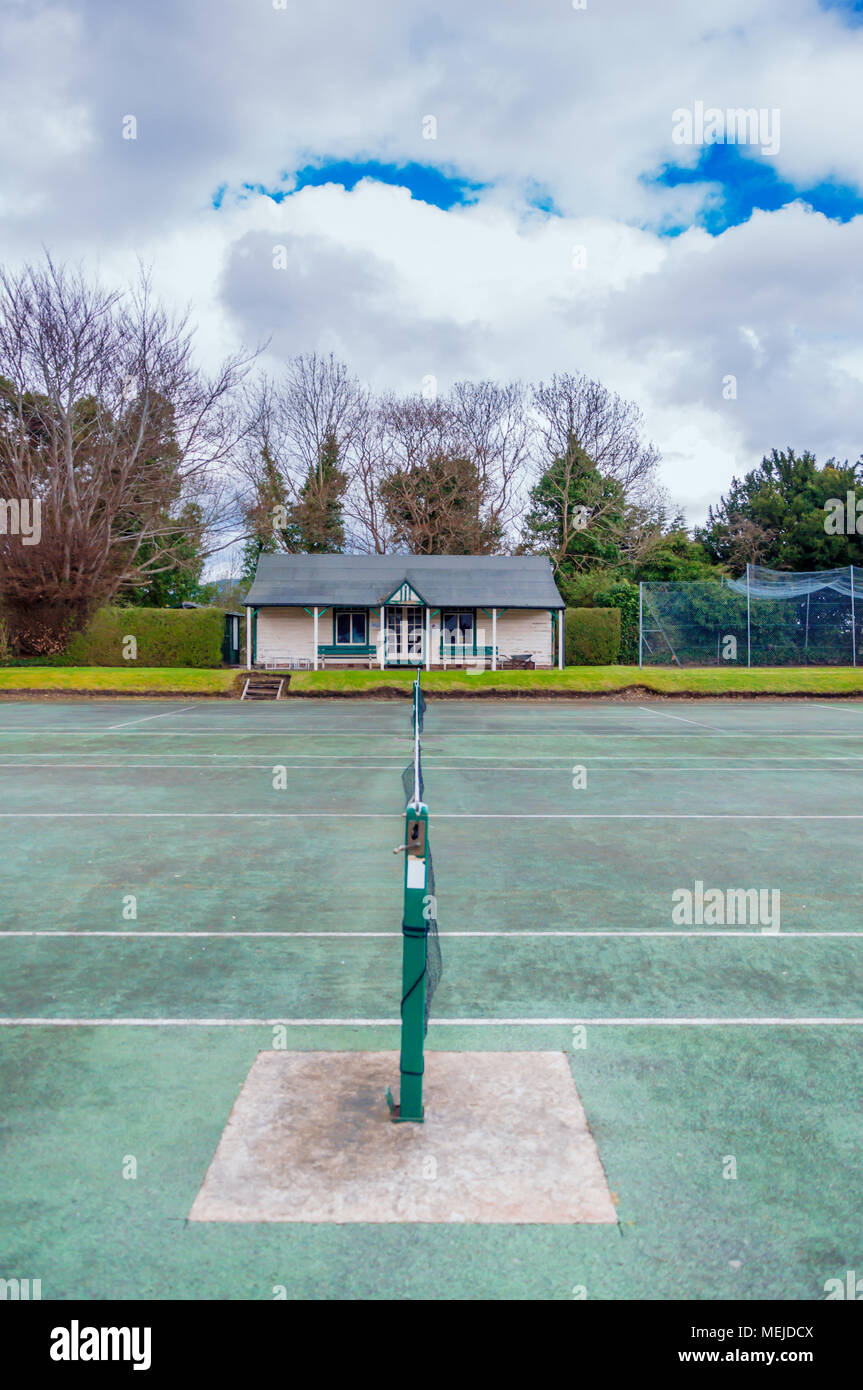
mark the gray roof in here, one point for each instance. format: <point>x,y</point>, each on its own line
<point>450,581</point>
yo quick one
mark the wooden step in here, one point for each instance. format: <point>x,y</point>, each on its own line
<point>260,686</point>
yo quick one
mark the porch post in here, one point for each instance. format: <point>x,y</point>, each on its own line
<point>494,639</point>
<point>560,612</point>
<point>248,638</point>
<point>428,639</point>
<point>316,638</point>
<point>383,638</point>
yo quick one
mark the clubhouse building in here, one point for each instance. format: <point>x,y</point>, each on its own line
<point>311,611</point>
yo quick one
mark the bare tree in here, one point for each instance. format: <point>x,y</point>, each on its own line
<point>318,401</point>
<point>748,542</point>
<point>450,467</point>
<point>109,431</point>
<point>435,508</point>
<point>368,462</point>
<point>308,437</point>
<point>432,475</point>
<point>606,427</point>
<point>262,481</point>
<point>497,434</point>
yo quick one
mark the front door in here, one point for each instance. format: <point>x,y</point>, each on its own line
<point>404,633</point>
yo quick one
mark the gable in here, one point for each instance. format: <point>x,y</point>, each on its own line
<point>404,594</point>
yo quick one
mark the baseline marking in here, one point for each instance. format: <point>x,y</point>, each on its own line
<point>466,935</point>
<point>310,732</point>
<point>466,759</point>
<point>565,769</point>
<point>850,1022</point>
<point>394,815</point>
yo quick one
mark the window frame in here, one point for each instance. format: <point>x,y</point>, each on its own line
<point>459,640</point>
<point>352,614</point>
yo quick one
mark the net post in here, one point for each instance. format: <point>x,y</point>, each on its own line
<point>414,947</point>
<point>417,919</point>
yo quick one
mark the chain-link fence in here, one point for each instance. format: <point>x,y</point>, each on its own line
<point>768,618</point>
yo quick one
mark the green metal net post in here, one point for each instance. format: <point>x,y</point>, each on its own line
<point>421,967</point>
<point>415,929</point>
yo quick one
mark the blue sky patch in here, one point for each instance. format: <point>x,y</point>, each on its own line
<point>850,10</point>
<point>742,184</point>
<point>424,182</point>
<point>541,199</point>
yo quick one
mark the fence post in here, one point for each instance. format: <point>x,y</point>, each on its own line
<point>640,618</point>
<point>748,621</point>
<point>853,620</point>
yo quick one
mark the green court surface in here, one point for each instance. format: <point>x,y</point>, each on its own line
<point>260,905</point>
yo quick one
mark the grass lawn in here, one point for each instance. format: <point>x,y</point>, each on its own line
<point>574,680</point>
<point>593,680</point>
<point>110,680</point>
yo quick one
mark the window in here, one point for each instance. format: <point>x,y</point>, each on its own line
<point>458,628</point>
<point>351,626</point>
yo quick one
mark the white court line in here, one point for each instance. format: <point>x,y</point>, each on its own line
<point>266,767</point>
<point>464,935</point>
<point>399,815</point>
<point>564,769</point>
<point>462,761</point>
<point>164,715</point>
<point>829,1022</point>
<point>694,722</point>
<point>390,735</point>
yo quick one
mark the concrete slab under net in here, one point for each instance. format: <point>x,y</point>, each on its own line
<point>505,1139</point>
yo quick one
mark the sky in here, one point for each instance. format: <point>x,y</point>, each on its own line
<point>486,190</point>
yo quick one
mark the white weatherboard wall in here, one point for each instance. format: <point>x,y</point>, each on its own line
<point>284,632</point>
<point>290,632</point>
<point>522,630</point>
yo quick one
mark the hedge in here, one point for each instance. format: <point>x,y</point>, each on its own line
<point>163,637</point>
<point>623,595</point>
<point>592,636</point>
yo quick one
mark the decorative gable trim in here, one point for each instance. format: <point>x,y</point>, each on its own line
<point>405,593</point>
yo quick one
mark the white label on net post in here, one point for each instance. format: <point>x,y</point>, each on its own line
<point>416,873</point>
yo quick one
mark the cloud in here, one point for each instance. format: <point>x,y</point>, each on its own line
<point>555,120</point>
<point>311,293</point>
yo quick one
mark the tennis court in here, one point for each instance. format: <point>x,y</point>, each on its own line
<point>256,843</point>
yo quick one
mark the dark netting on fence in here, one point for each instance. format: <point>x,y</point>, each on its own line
<point>767,618</point>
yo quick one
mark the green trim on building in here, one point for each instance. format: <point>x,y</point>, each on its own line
<point>405,594</point>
